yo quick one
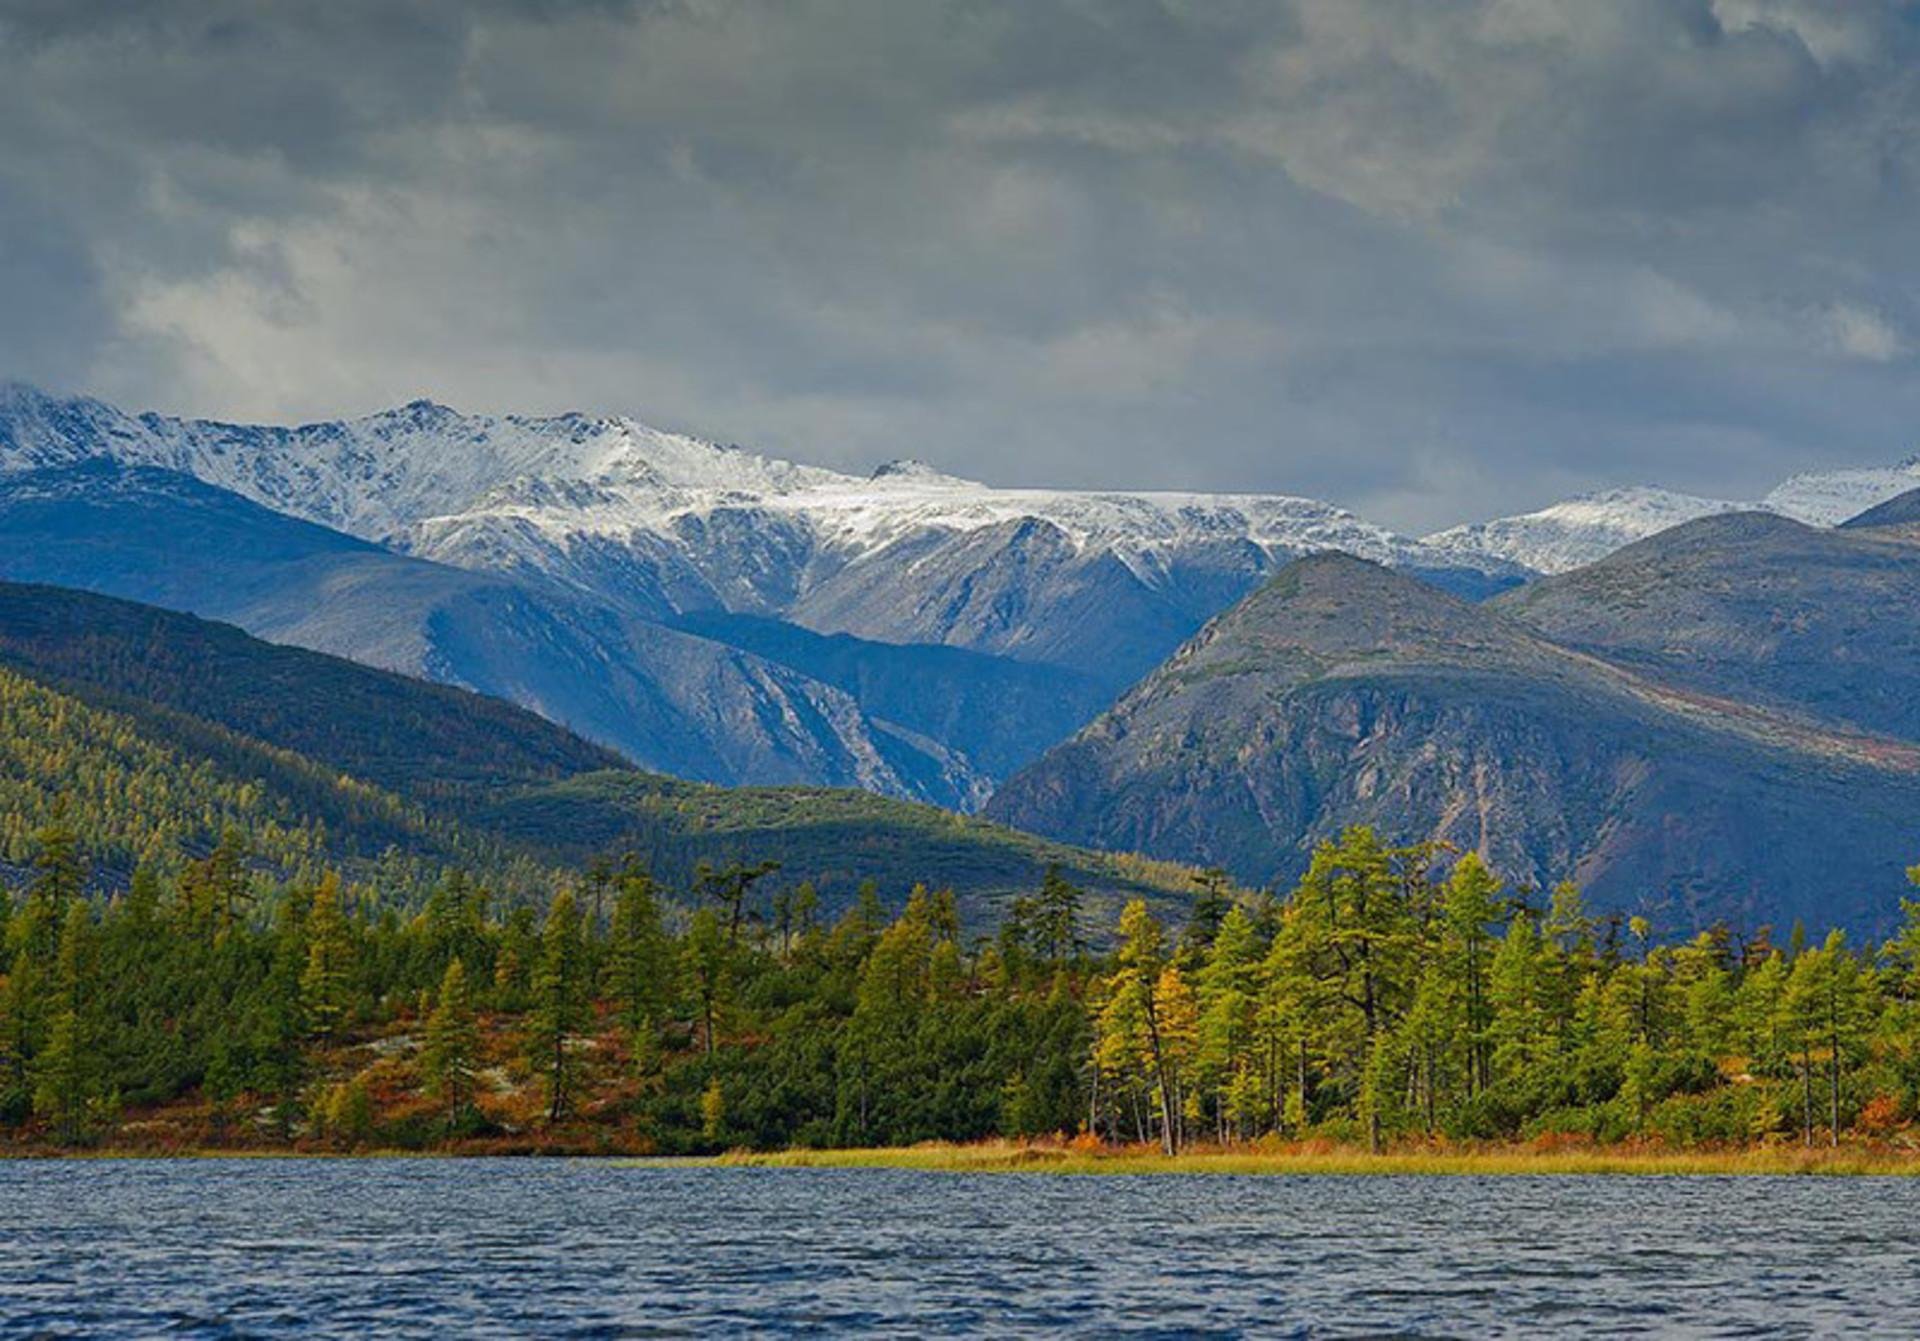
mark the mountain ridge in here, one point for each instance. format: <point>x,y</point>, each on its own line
<point>659,524</point>
<point>1588,527</point>
<point>663,698</point>
<point>1343,693</point>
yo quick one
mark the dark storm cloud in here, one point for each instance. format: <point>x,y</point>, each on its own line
<point>1431,258</point>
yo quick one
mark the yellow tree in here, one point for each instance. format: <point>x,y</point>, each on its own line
<point>1132,1018</point>
<point>325,980</point>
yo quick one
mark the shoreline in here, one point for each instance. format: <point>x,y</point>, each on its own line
<point>1310,1159</point>
<point>1319,1160</point>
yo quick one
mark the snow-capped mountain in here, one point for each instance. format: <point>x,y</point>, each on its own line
<point>1827,498</point>
<point>659,524</point>
<point>1584,530</point>
<point>721,569</point>
<point>1581,530</point>
<point>666,699</point>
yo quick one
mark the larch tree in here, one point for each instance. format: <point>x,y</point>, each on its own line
<point>1134,1008</point>
<point>326,980</point>
<point>451,1055</point>
<point>560,1004</point>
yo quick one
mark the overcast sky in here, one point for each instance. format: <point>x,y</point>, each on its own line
<point>1432,259</point>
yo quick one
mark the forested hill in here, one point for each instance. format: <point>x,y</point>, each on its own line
<point>833,839</point>
<point>155,733</point>
<point>160,788</point>
<point>383,728</point>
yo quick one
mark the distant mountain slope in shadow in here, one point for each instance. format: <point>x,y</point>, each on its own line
<point>664,699</point>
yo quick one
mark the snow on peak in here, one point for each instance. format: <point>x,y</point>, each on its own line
<point>1827,498</point>
<point>1580,530</point>
<point>1586,529</point>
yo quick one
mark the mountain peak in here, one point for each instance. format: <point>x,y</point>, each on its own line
<point>907,468</point>
<point>421,412</point>
<point>1720,529</point>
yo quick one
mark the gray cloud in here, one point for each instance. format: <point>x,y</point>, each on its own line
<point>1431,258</point>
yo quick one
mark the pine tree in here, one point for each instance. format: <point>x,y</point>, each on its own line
<point>1056,917</point>
<point>708,957</point>
<point>640,965</point>
<point>1471,905</point>
<point>559,1004</point>
<point>325,981</point>
<point>67,1071</point>
<point>1514,987</point>
<point>1229,992</point>
<point>1133,1012</point>
<point>451,1056</point>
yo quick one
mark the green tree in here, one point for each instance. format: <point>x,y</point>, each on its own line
<point>1470,906</point>
<point>67,1081</point>
<point>326,979</point>
<point>451,1056</point>
<point>1133,1017</point>
<point>560,1007</point>
<point>640,964</point>
<point>730,886</point>
<point>708,958</point>
<point>1228,991</point>
<point>1056,917</point>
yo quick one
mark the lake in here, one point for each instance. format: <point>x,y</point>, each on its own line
<point>579,1248</point>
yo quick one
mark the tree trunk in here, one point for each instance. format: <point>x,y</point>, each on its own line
<point>1093,1102</point>
<point>1806,1096</point>
<point>1300,1075</point>
<point>1169,1134</point>
<point>1833,1075</point>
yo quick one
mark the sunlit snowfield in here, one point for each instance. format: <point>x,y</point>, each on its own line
<point>577,1248</point>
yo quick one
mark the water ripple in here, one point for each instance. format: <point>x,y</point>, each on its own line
<point>579,1249</point>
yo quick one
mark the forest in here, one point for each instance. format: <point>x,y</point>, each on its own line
<point>1396,995</point>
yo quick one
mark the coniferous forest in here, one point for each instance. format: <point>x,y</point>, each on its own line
<point>1396,995</point>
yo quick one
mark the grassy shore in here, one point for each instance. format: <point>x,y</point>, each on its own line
<point>1321,1159</point>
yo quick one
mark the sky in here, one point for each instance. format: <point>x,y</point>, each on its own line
<point>1434,260</point>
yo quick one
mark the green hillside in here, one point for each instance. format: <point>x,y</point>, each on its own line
<point>155,732</point>
<point>833,839</point>
<point>161,787</point>
<point>408,735</point>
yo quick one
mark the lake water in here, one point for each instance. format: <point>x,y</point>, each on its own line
<point>577,1248</point>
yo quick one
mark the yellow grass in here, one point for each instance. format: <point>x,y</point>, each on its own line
<point>1321,1159</point>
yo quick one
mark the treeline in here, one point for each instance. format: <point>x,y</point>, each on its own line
<point>1382,999</point>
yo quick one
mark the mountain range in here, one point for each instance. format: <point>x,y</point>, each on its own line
<point>1686,704</point>
<point>664,699</point>
<point>662,594</point>
<point>1717,724</point>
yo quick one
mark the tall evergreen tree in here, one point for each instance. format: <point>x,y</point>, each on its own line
<point>451,1056</point>
<point>560,1006</point>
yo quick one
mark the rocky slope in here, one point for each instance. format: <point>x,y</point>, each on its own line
<point>1900,510</point>
<point>1820,623</point>
<point>1343,693</point>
